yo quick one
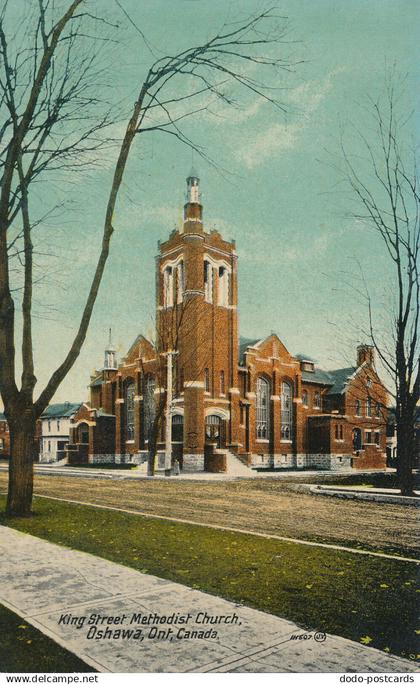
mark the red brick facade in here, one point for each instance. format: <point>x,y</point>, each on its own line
<point>250,397</point>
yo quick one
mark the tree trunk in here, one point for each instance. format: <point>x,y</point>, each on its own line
<point>21,476</point>
<point>405,449</point>
<point>151,456</point>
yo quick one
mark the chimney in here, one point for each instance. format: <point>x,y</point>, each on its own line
<point>365,354</point>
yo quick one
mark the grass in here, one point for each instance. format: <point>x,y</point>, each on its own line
<point>368,599</point>
<point>24,649</point>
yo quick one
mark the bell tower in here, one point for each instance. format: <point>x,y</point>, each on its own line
<point>196,282</point>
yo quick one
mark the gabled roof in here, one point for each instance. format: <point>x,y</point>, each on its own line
<point>65,410</point>
<point>244,343</point>
<point>340,378</point>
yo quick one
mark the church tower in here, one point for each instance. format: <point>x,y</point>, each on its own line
<point>196,280</point>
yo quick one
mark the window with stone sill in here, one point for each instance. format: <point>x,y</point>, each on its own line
<point>317,400</point>
<point>358,407</point>
<point>286,411</point>
<point>262,406</point>
<point>129,411</point>
<point>305,398</point>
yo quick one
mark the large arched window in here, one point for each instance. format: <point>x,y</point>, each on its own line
<point>263,408</point>
<point>129,409</point>
<point>286,411</point>
<point>149,405</point>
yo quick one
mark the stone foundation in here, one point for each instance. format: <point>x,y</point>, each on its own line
<point>193,463</point>
<point>301,461</point>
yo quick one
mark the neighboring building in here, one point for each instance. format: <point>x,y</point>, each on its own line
<point>243,398</point>
<point>4,437</point>
<point>55,428</point>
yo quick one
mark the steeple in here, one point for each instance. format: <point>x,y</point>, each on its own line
<point>110,362</point>
<point>193,210</point>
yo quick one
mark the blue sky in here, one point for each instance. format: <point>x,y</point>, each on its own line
<point>281,200</point>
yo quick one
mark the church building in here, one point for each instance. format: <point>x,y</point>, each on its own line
<point>215,401</point>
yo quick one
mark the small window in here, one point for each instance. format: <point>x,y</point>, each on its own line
<point>358,407</point>
<point>369,407</point>
<point>378,409</point>
<point>58,426</point>
<point>49,426</point>
<point>377,438</point>
<point>368,437</point>
<point>305,399</point>
<point>317,400</point>
<point>222,382</point>
<point>206,380</point>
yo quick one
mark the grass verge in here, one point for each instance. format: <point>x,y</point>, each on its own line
<point>25,649</point>
<point>368,599</point>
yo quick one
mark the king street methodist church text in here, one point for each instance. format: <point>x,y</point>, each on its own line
<point>149,625</point>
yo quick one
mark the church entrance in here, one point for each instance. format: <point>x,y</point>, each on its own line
<point>215,431</point>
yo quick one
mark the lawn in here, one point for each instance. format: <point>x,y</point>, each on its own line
<point>365,598</point>
<point>24,649</point>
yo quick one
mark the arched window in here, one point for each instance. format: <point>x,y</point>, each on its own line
<point>149,405</point>
<point>83,433</point>
<point>168,289</point>
<point>223,297</point>
<point>177,428</point>
<point>208,282</point>
<point>317,400</point>
<point>129,409</point>
<point>263,405</point>
<point>305,399</point>
<point>286,411</point>
<point>180,286</point>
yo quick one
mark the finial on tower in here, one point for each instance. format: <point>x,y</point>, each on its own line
<point>110,362</point>
<point>193,210</point>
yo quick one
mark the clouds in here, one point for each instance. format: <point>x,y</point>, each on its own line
<point>303,101</point>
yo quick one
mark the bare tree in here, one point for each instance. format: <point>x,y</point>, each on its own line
<point>384,184</point>
<point>50,117</point>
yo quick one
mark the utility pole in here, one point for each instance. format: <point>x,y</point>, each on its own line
<point>168,412</point>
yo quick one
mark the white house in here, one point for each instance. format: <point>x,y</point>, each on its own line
<point>55,430</point>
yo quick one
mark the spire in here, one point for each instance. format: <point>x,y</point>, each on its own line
<point>110,362</point>
<point>193,210</point>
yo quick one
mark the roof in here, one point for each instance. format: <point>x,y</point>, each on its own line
<point>100,413</point>
<point>244,343</point>
<point>65,410</point>
<point>98,381</point>
<point>305,357</point>
<point>318,376</point>
<point>340,378</point>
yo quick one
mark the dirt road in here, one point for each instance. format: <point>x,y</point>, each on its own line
<point>269,506</point>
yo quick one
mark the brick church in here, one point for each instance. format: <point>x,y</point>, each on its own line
<point>216,401</point>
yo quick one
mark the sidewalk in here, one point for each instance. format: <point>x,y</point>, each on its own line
<point>59,591</point>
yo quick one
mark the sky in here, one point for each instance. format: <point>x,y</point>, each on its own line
<point>275,188</point>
